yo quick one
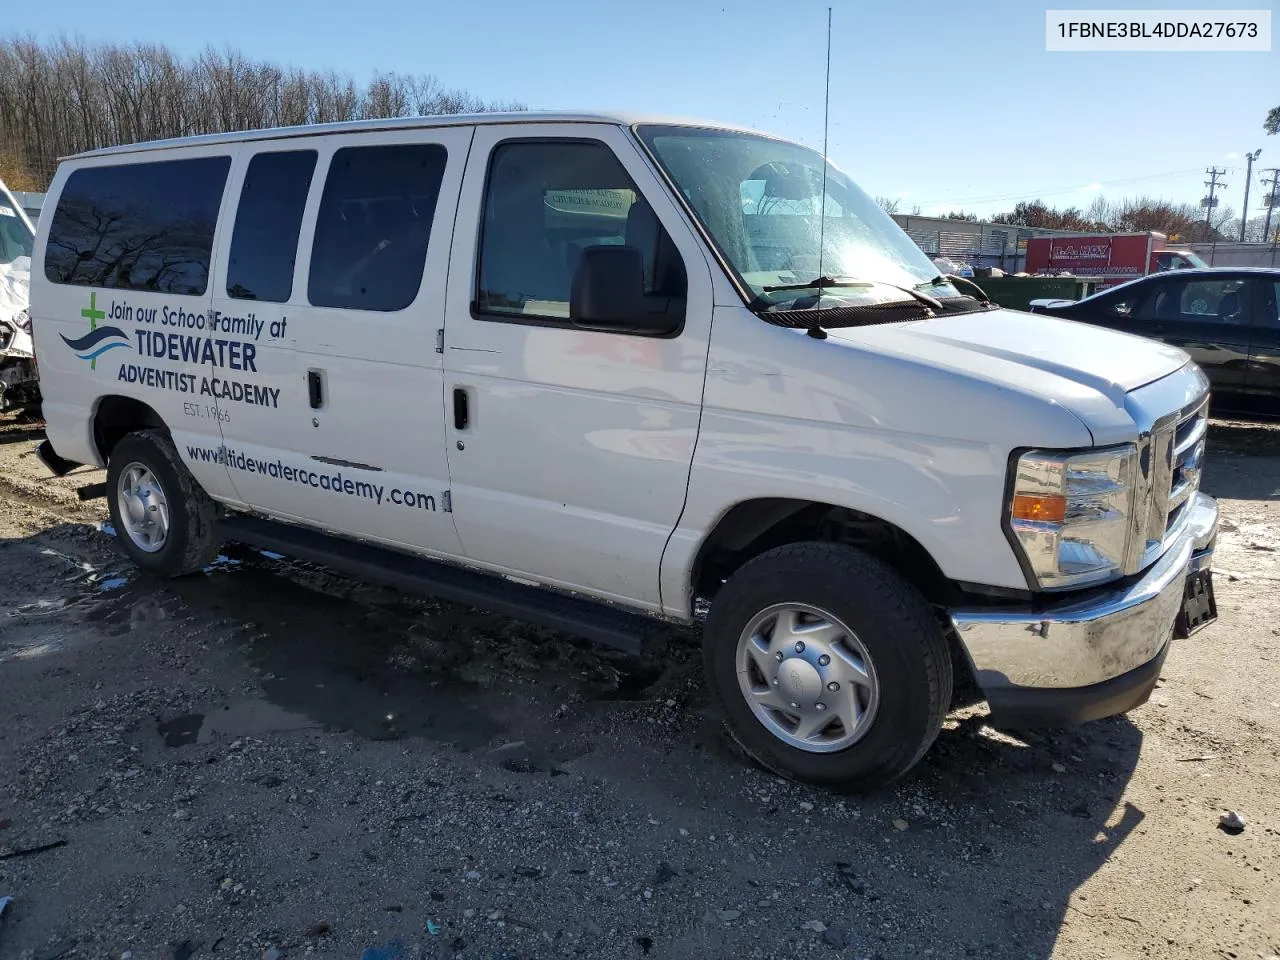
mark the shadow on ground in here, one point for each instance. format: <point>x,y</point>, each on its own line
<point>1000,830</point>
<point>1242,461</point>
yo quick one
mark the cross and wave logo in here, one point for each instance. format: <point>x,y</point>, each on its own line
<point>99,339</point>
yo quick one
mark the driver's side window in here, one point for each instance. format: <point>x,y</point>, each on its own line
<point>547,201</point>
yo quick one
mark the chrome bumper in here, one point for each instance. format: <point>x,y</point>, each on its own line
<point>1089,640</point>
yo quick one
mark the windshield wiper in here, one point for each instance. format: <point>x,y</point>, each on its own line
<point>818,283</point>
<point>941,278</point>
<point>831,283</point>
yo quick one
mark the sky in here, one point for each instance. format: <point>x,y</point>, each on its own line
<point>944,105</point>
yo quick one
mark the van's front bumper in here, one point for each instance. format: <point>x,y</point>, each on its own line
<point>1088,656</point>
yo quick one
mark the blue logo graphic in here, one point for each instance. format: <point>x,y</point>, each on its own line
<point>99,339</point>
<point>97,342</point>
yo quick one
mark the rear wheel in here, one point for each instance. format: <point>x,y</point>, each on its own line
<point>830,667</point>
<point>164,520</point>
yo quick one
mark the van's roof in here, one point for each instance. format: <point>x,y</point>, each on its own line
<point>404,123</point>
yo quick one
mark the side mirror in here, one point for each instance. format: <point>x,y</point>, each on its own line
<point>608,294</point>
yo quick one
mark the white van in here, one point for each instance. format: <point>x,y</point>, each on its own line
<point>601,371</point>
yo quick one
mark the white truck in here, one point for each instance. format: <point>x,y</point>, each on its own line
<point>19,387</point>
<point>608,372</point>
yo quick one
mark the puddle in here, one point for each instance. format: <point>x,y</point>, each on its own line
<point>112,583</point>
<point>181,731</point>
<point>40,608</point>
<point>32,651</point>
<point>246,719</point>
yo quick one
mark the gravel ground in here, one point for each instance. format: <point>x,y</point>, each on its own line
<point>271,760</point>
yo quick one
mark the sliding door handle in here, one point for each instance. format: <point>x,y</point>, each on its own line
<point>315,389</point>
<point>461,411</point>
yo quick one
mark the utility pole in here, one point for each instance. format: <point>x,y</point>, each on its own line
<point>1248,179</point>
<point>1270,199</point>
<point>1211,201</point>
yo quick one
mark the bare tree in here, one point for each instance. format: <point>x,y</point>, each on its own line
<point>68,96</point>
<point>1253,229</point>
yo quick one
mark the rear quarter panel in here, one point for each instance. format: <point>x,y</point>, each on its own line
<point>88,344</point>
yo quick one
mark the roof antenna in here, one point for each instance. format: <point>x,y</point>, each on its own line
<point>816,330</point>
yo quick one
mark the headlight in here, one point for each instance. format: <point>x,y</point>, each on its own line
<point>1069,514</point>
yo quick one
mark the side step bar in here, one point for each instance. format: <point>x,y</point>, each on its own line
<point>582,617</point>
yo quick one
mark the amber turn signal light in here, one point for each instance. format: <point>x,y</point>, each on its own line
<point>1051,508</point>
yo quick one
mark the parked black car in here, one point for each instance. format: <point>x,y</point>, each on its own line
<point>1227,318</point>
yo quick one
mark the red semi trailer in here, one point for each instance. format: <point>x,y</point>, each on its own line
<point>1110,258</point>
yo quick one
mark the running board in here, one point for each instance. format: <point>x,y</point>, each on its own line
<point>591,619</point>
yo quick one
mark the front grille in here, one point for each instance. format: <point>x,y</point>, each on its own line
<point>1171,459</point>
<point>1187,461</point>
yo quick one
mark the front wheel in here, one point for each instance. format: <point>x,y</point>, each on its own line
<point>830,667</point>
<point>163,518</point>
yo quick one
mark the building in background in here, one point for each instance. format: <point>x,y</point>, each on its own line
<point>1238,254</point>
<point>974,242</point>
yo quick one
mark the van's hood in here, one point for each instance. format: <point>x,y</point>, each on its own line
<point>1004,345</point>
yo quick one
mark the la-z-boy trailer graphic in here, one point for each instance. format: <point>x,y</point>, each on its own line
<point>183,337</point>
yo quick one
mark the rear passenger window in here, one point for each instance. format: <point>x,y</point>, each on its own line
<point>545,203</point>
<point>373,226</point>
<point>1221,300</point>
<point>264,246</point>
<point>138,226</point>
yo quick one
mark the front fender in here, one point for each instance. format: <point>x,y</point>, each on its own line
<point>946,494</point>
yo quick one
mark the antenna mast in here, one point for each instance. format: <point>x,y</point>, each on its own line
<point>816,329</point>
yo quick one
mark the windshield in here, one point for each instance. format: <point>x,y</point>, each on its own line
<point>762,202</point>
<point>16,238</point>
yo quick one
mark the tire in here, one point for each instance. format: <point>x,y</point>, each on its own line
<point>190,539</point>
<point>900,711</point>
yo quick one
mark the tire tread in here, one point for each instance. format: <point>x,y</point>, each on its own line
<point>200,541</point>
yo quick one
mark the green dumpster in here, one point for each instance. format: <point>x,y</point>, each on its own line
<point>1016,293</point>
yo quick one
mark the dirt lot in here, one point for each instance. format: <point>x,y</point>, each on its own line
<point>272,760</point>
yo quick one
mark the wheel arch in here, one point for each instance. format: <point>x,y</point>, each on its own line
<point>116,416</point>
<point>751,527</point>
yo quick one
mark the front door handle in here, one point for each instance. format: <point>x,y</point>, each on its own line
<point>315,389</point>
<point>461,413</point>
